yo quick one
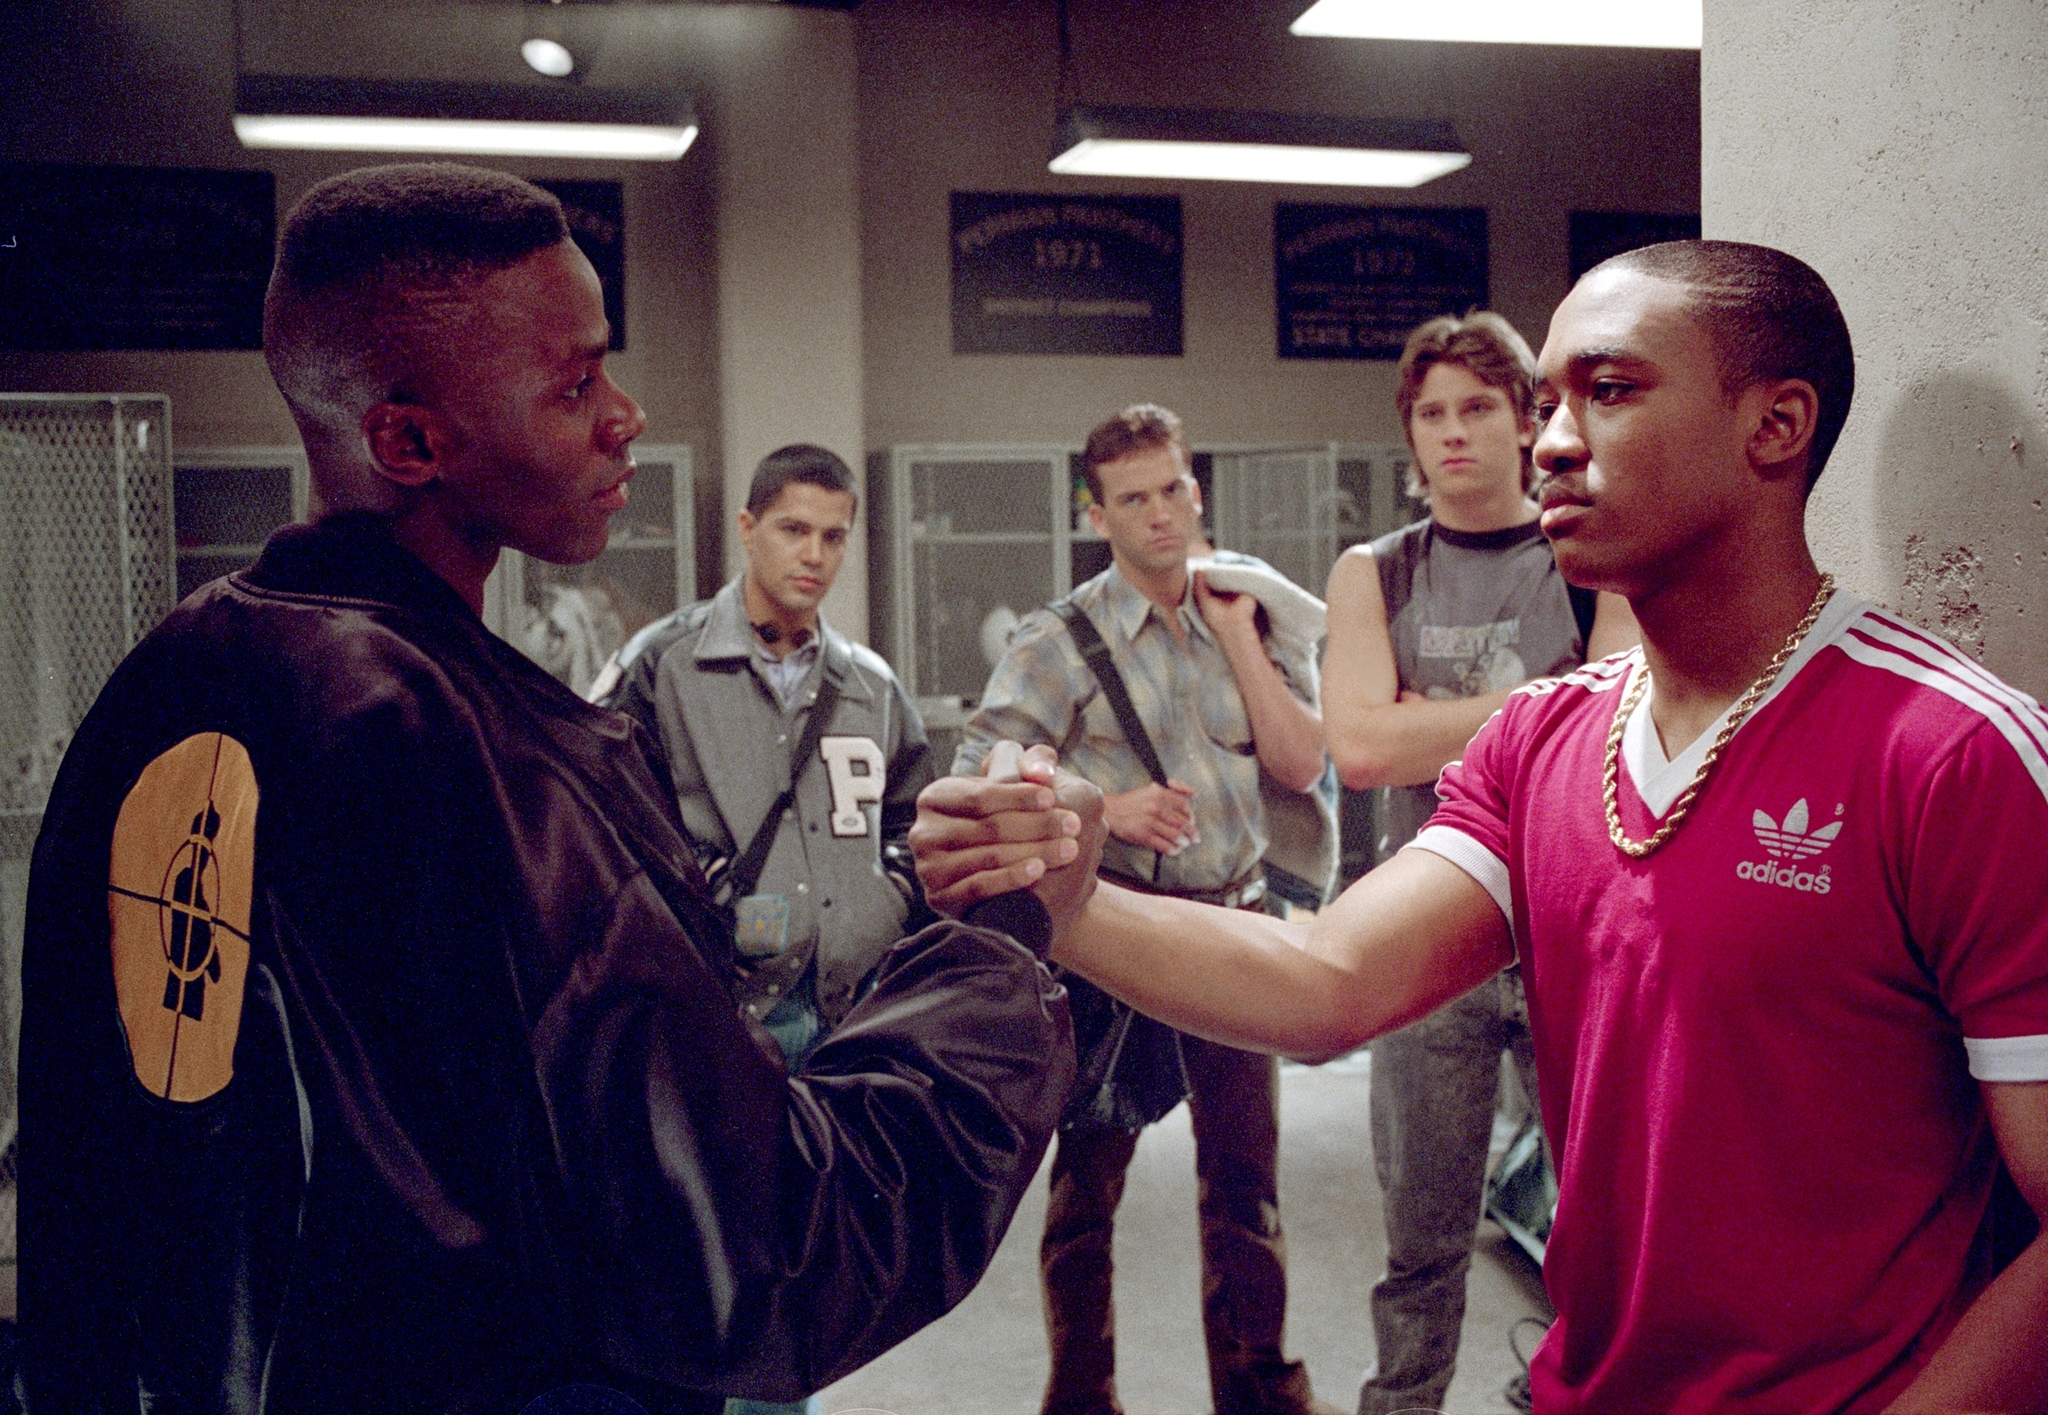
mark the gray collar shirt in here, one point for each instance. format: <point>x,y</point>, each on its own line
<point>788,673</point>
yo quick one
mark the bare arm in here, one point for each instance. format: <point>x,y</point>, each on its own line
<point>1614,627</point>
<point>1413,934</point>
<point>1287,731</point>
<point>1376,738</point>
<point>1995,1359</point>
<point>1410,936</point>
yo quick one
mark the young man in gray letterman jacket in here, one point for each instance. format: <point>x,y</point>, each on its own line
<point>726,686</point>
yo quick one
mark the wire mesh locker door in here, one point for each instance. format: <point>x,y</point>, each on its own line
<point>86,571</point>
<point>227,501</point>
<point>1280,505</point>
<point>570,619</point>
<point>981,538</point>
<point>1372,492</point>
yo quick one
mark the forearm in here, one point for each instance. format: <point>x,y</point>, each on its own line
<point>1995,1359</point>
<point>1414,934</point>
<point>1287,732</point>
<point>1403,743</point>
<point>1218,961</point>
<point>961,1056</point>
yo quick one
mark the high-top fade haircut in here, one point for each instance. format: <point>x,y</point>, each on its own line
<point>373,271</point>
<point>1138,428</point>
<point>1769,315</point>
<point>799,462</point>
<point>1485,346</point>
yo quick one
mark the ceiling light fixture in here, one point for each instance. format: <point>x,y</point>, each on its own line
<point>1634,24</point>
<point>1207,145</point>
<point>553,46</point>
<point>1212,145</point>
<point>548,56</point>
<point>491,120</point>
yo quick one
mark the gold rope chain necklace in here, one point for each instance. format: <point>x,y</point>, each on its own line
<point>1610,777</point>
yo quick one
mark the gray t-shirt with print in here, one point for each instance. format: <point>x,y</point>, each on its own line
<point>1471,613</point>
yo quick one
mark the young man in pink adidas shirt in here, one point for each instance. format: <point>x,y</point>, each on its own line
<point>1777,881</point>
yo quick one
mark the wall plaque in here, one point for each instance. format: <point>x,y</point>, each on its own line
<point>1036,274</point>
<point>1596,235</point>
<point>133,257</point>
<point>597,222</point>
<point>1350,282</point>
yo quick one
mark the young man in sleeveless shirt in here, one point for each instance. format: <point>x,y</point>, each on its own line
<point>1431,627</point>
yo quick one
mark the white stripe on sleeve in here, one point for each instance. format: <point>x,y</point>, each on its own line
<point>2016,716</point>
<point>2008,1058</point>
<point>1474,859</point>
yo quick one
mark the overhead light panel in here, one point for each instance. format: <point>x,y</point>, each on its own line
<point>485,120</point>
<point>1632,24</point>
<point>1205,145</point>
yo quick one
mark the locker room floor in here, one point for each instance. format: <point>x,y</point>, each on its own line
<point>988,1356</point>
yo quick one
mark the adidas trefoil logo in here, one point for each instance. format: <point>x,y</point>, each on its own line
<point>1790,841</point>
<point>1788,844</point>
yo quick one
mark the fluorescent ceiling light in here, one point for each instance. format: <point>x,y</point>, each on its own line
<point>1253,147</point>
<point>1635,24</point>
<point>490,120</point>
<point>465,135</point>
<point>1254,162</point>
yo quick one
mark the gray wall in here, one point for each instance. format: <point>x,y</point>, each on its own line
<point>150,82</point>
<point>1901,148</point>
<point>788,279</point>
<point>962,94</point>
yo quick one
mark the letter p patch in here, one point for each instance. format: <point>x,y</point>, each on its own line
<point>857,770</point>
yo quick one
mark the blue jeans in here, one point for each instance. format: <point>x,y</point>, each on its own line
<point>798,1027</point>
<point>795,1022</point>
<point>1434,1086</point>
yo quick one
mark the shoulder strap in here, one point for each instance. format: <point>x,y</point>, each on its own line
<point>745,873</point>
<point>1397,566</point>
<point>1096,654</point>
<point>1585,604</point>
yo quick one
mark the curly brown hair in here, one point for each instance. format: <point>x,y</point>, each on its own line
<point>1485,346</point>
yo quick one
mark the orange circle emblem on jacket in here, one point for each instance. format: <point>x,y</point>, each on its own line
<point>179,888</point>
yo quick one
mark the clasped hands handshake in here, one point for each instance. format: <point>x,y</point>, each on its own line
<point>1022,824</point>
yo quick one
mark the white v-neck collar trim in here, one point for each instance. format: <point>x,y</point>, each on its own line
<point>1660,782</point>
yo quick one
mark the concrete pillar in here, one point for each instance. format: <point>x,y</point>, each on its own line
<point>789,294</point>
<point>1900,147</point>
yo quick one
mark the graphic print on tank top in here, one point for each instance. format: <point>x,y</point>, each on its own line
<point>1481,613</point>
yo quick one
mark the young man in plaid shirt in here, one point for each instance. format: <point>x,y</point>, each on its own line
<point>1218,702</point>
